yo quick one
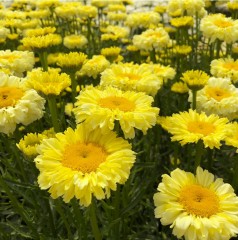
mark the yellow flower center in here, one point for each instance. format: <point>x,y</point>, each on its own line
<point>199,200</point>
<point>154,34</point>
<point>131,76</point>
<point>84,157</point>
<point>9,96</point>
<point>223,23</point>
<point>204,128</point>
<point>231,66</point>
<point>218,93</point>
<point>10,58</point>
<point>120,103</point>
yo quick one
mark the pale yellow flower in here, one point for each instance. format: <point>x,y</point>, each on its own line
<point>198,207</point>
<point>81,163</point>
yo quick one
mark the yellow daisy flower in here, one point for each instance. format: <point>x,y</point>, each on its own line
<point>180,7</point>
<point>17,104</point>
<point>232,135</point>
<point>111,53</point>
<point>195,79</point>
<point>197,206</point>
<point>179,87</point>
<point>39,31</point>
<point>186,21</point>
<point>51,82</point>
<point>142,19</point>
<point>218,26</point>
<point>151,39</point>
<point>132,77</point>
<point>219,97</point>
<point>28,144</point>
<point>17,62</point>
<point>75,41</point>
<point>190,127</point>
<point>64,60</point>
<point>226,68</point>
<point>163,72</point>
<point>182,49</point>
<point>42,42</point>
<point>103,107</point>
<point>93,67</point>
<point>81,163</point>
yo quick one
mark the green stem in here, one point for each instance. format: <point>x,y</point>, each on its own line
<point>199,153</point>
<point>194,103</point>
<point>73,85</point>
<point>153,55</point>
<point>116,205</point>
<point>218,48</point>
<point>94,222</point>
<point>53,111</point>
<point>43,60</point>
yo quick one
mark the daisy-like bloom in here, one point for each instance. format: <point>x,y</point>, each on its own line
<point>17,62</point>
<point>197,206</point>
<point>111,53</point>
<point>190,7</point>
<point>86,11</point>
<point>39,31</point>
<point>43,4</point>
<point>163,72</point>
<point>39,13</point>
<point>232,6</point>
<point>151,39</point>
<point>160,9</point>
<point>75,41</point>
<point>232,135</point>
<point>116,8</point>
<point>93,67</point>
<point>219,96</point>
<point>68,9</point>
<point>225,68</point>
<point>186,21</point>
<point>191,126</point>
<point>142,19</point>
<point>132,77</point>
<point>114,33</point>
<point>42,42</point>
<point>179,87</point>
<point>27,23</point>
<point>80,163</point>
<point>182,49</point>
<point>17,104</point>
<point>3,33</point>
<point>29,143</point>
<point>51,82</point>
<point>65,60</point>
<point>195,79</point>
<point>218,26</point>
<point>101,108</point>
<point>111,16</point>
